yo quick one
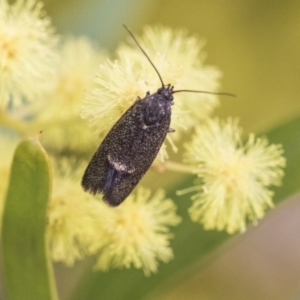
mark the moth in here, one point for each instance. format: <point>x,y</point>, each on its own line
<point>132,144</point>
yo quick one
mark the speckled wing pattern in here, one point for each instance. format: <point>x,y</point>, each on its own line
<point>129,149</point>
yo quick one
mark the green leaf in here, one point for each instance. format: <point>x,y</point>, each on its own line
<point>191,243</point>
<point>26,270</point>
<point>288,134</point>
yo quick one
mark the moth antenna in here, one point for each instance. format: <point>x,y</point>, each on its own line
<point>205,92</point>
<point>135,40</point>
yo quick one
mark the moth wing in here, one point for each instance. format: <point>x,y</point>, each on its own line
<point>135,158</point>
<point>125,155</point>
<point>95,179</point>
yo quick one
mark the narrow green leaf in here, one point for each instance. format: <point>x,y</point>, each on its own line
<point>288,134</point>
<point>191,243</point>
<point>26,270</point>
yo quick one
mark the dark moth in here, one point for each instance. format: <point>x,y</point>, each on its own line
<point>132,144</point>
<point>129,148</point>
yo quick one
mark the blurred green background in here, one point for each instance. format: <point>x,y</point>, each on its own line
<point>256,44</point>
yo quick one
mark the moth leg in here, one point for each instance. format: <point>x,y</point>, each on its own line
<point>170,130</point>
<point>110,179</point>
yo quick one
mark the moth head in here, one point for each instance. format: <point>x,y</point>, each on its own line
<point>166,91</point>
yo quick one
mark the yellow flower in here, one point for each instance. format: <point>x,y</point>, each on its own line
<point>77,63</point>
<point>26,52</point>
<point>134,234</point>
<point>115,87</point>
<point>180,60</point>
<point>235,177</point>
<point>137,232</point>
<point>71,222</point>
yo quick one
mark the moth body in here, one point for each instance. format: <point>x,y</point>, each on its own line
<point>130,147</point>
